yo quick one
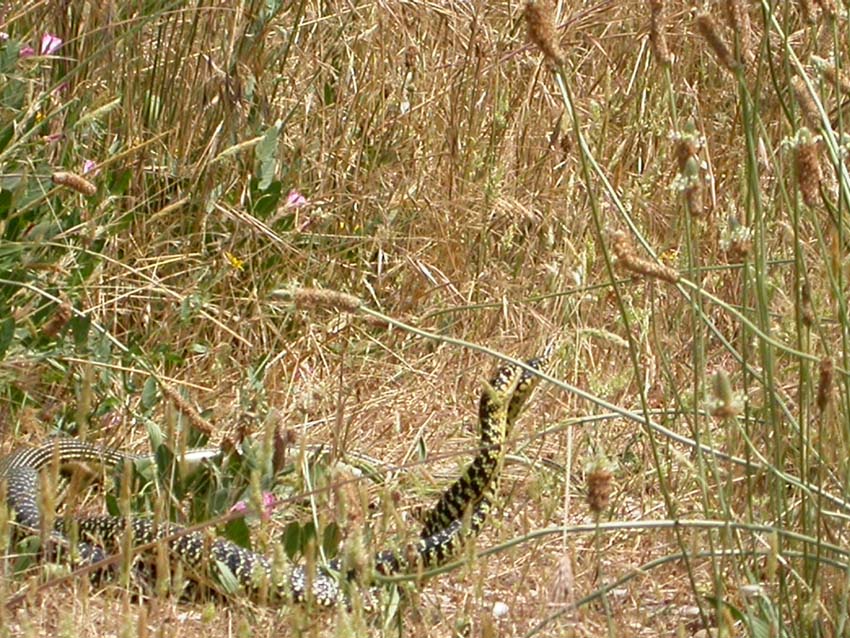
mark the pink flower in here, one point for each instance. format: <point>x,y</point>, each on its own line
<point>295,199</point>
<point>241,507</point>
<point>26,51</point>
<point>50,43</point>
<point>269,502</point>
<point>90,166</point>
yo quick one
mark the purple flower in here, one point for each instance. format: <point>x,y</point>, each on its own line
<point>26,51</point>
<point>90,166</point>
<point>50,43</point>
<point>295,199</point>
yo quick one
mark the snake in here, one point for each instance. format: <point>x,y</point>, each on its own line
<point>458,515</point>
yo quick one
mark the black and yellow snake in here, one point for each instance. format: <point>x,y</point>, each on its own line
<point>457,516</point>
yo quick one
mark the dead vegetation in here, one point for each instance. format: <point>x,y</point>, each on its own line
<point>303,215</point>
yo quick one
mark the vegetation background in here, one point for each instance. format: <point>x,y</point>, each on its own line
<point>662,186</point>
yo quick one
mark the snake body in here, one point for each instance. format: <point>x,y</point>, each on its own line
<point>457,516</point>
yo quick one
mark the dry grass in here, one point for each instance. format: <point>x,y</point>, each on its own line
<point>654,203</point>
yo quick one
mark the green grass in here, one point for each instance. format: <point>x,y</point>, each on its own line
<point>469,194</point>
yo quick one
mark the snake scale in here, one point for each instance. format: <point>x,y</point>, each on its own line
<point>458,515</point>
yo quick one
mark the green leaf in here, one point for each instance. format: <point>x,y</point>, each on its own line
<point>5,137</point>
<point>150,394</point>
<point>119,181</point>
<point>155,435</point>
<point>112,505</point>
<point>11,51</point>
<point>308,536</point>
<point>266,155</point>
<point>292,540</point>
<point>266,201</point>
<point>227,579</point>
<point>7,331</point>
<point>331,538</point>
<point>80,329</point>
<point>238,532</point>
<point>391,609</point>
<point>164,463</point>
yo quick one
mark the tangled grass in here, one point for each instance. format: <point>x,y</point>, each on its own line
<point>300,220</point>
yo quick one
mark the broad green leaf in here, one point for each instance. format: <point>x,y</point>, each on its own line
<point>266,154</point>
<point>7,331</point>
<point>227,579</point>
<point>238,532</point>
<point>150,394</point>
<point>331,538</point>
<point>292,540</point>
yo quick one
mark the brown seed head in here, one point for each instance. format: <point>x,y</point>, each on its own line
<point>187,410</point>
<point>62,316</point>
<point>807,313</point>
<point>540,19</point>
<point>834,77</point>
<point>657,36</point>
<point>626,257</point>
<point>74,182</point>
<point>807,11</point>
<point>708,29</point>
<point>828,8</point>
<point>725,404</point>
<point>691,182</point>
<point>825,383</point>
<point>807,165</point>
<point>739,22</point>
<point>309,298</point>
<point>807,104</point>
<point>599,488</point>
<point>685,149</point>
<point>410,55</point>
<point>563,586</point>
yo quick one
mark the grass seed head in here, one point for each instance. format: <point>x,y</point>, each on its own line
<point>828,8</point>
<point>807,313</point>
<point>540,19</point>
<point>825,379</point>
<point>807,165</point>
<point>833,76</point>
<point>711,33</point>
<point>74,182</point>
<point>807,11</point>
<point>311,298</point>
<point>599,487</point>
<point>626,257</point>
<point>738,20</point>
<point>724,404</point>
<point>657,36</point>
<point>563,586</point>
<point>804,99</point>
<point>60,318</point>
<point>736,239</point>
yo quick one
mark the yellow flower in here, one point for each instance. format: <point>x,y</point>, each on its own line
<point>237,263</point>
